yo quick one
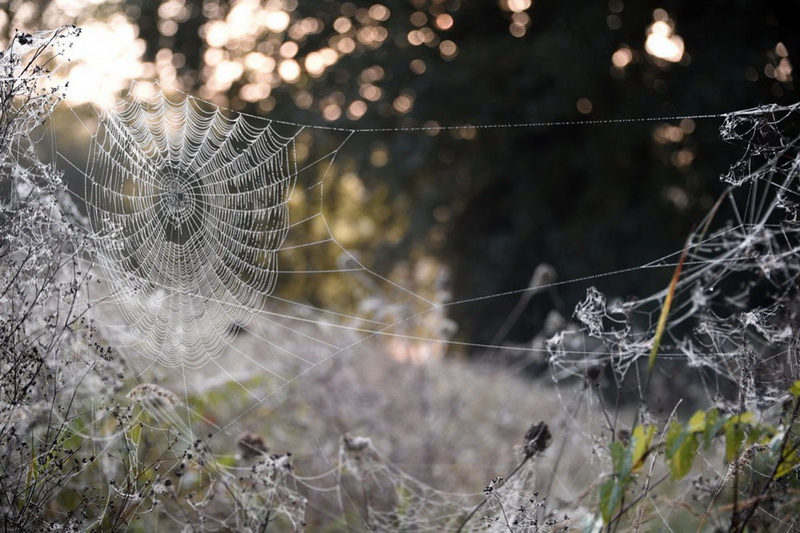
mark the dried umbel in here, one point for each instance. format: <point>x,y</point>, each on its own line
<point>537,439</point>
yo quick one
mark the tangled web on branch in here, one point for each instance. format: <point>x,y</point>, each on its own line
<point>736,311</point>
<point>191,208</point>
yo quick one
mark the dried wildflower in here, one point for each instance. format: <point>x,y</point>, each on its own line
<point>593,372</point>
<point>154,393</point>
<point>356,444</point>
<point>251,445</point>
<point>496,483</point>
<point>537,439</point>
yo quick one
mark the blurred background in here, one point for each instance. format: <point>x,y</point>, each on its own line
<point>474,210</point>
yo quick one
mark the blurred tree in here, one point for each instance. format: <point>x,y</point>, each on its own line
<point>494,203</point>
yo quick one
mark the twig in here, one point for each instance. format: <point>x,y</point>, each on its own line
<point>486,498</point>
<point>637,499</point>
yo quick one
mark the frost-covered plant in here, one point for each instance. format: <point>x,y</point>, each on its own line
<point>54,375</point>
<point>74,453</point>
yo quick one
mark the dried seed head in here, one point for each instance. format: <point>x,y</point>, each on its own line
<point>154,393</point>
<point>251,445</point>
<point>593,372</point>
<point>537,439</point>
<point>356,444</point>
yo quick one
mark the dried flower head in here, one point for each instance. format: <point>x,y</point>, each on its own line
<point>154,393</point>
<point>251,445</point>
<point>356,444</point>
<point>537,439</point>
<point>593,372</point>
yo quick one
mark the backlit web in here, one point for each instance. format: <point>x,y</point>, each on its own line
<point>199,215</point>
<point>191,208</point>
<point>734,314</point>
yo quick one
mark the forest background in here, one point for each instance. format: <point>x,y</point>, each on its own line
<point>490,204</point>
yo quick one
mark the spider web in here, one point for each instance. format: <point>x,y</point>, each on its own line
<point>194,211</point>
<point>733,318</point>
<point>191,208</point>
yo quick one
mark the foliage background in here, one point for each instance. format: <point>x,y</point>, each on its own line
<point>489,204</point>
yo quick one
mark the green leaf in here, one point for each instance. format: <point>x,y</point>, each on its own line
<point>789,462</point>
<point>794,390</point>
<point>681,449</point>
<point>135,434</point>
<point>735,434</point>
<point>760,434</point>
<point>610,498</point>
<point>682,460</point>
<point>621,461</point>
<point>697,423</point>
<point>714,423</point>
<point>640,445</point>
<point>625,460</point>
<point>776,441</point>
<point>745,418</point>
<point>226,461</point>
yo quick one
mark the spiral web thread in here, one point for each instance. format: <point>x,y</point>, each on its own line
<point>194,210</point>
<point>191,208</point>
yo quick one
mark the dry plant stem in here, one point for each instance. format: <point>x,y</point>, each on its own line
<point>561,449</point>
<point>611,424</point>
<point>648,480</point>
<point>636,500</point>
<point>735,510</point>
<point>613,525</point>
<point>660,328</point>
<point>365,495</point>
<point>714,497</point>
<point>662,318</point>
<point>266,519</point>
<point>14,89</point>
<point>781,454</point>
<point>505,517</point>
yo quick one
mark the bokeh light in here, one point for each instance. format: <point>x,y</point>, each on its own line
<point>622,57</point>
<point>289,70</point>
<point>662,42</point>
<point>100,73</point>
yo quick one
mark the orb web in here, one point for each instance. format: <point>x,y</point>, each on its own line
<point>190,207</point>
